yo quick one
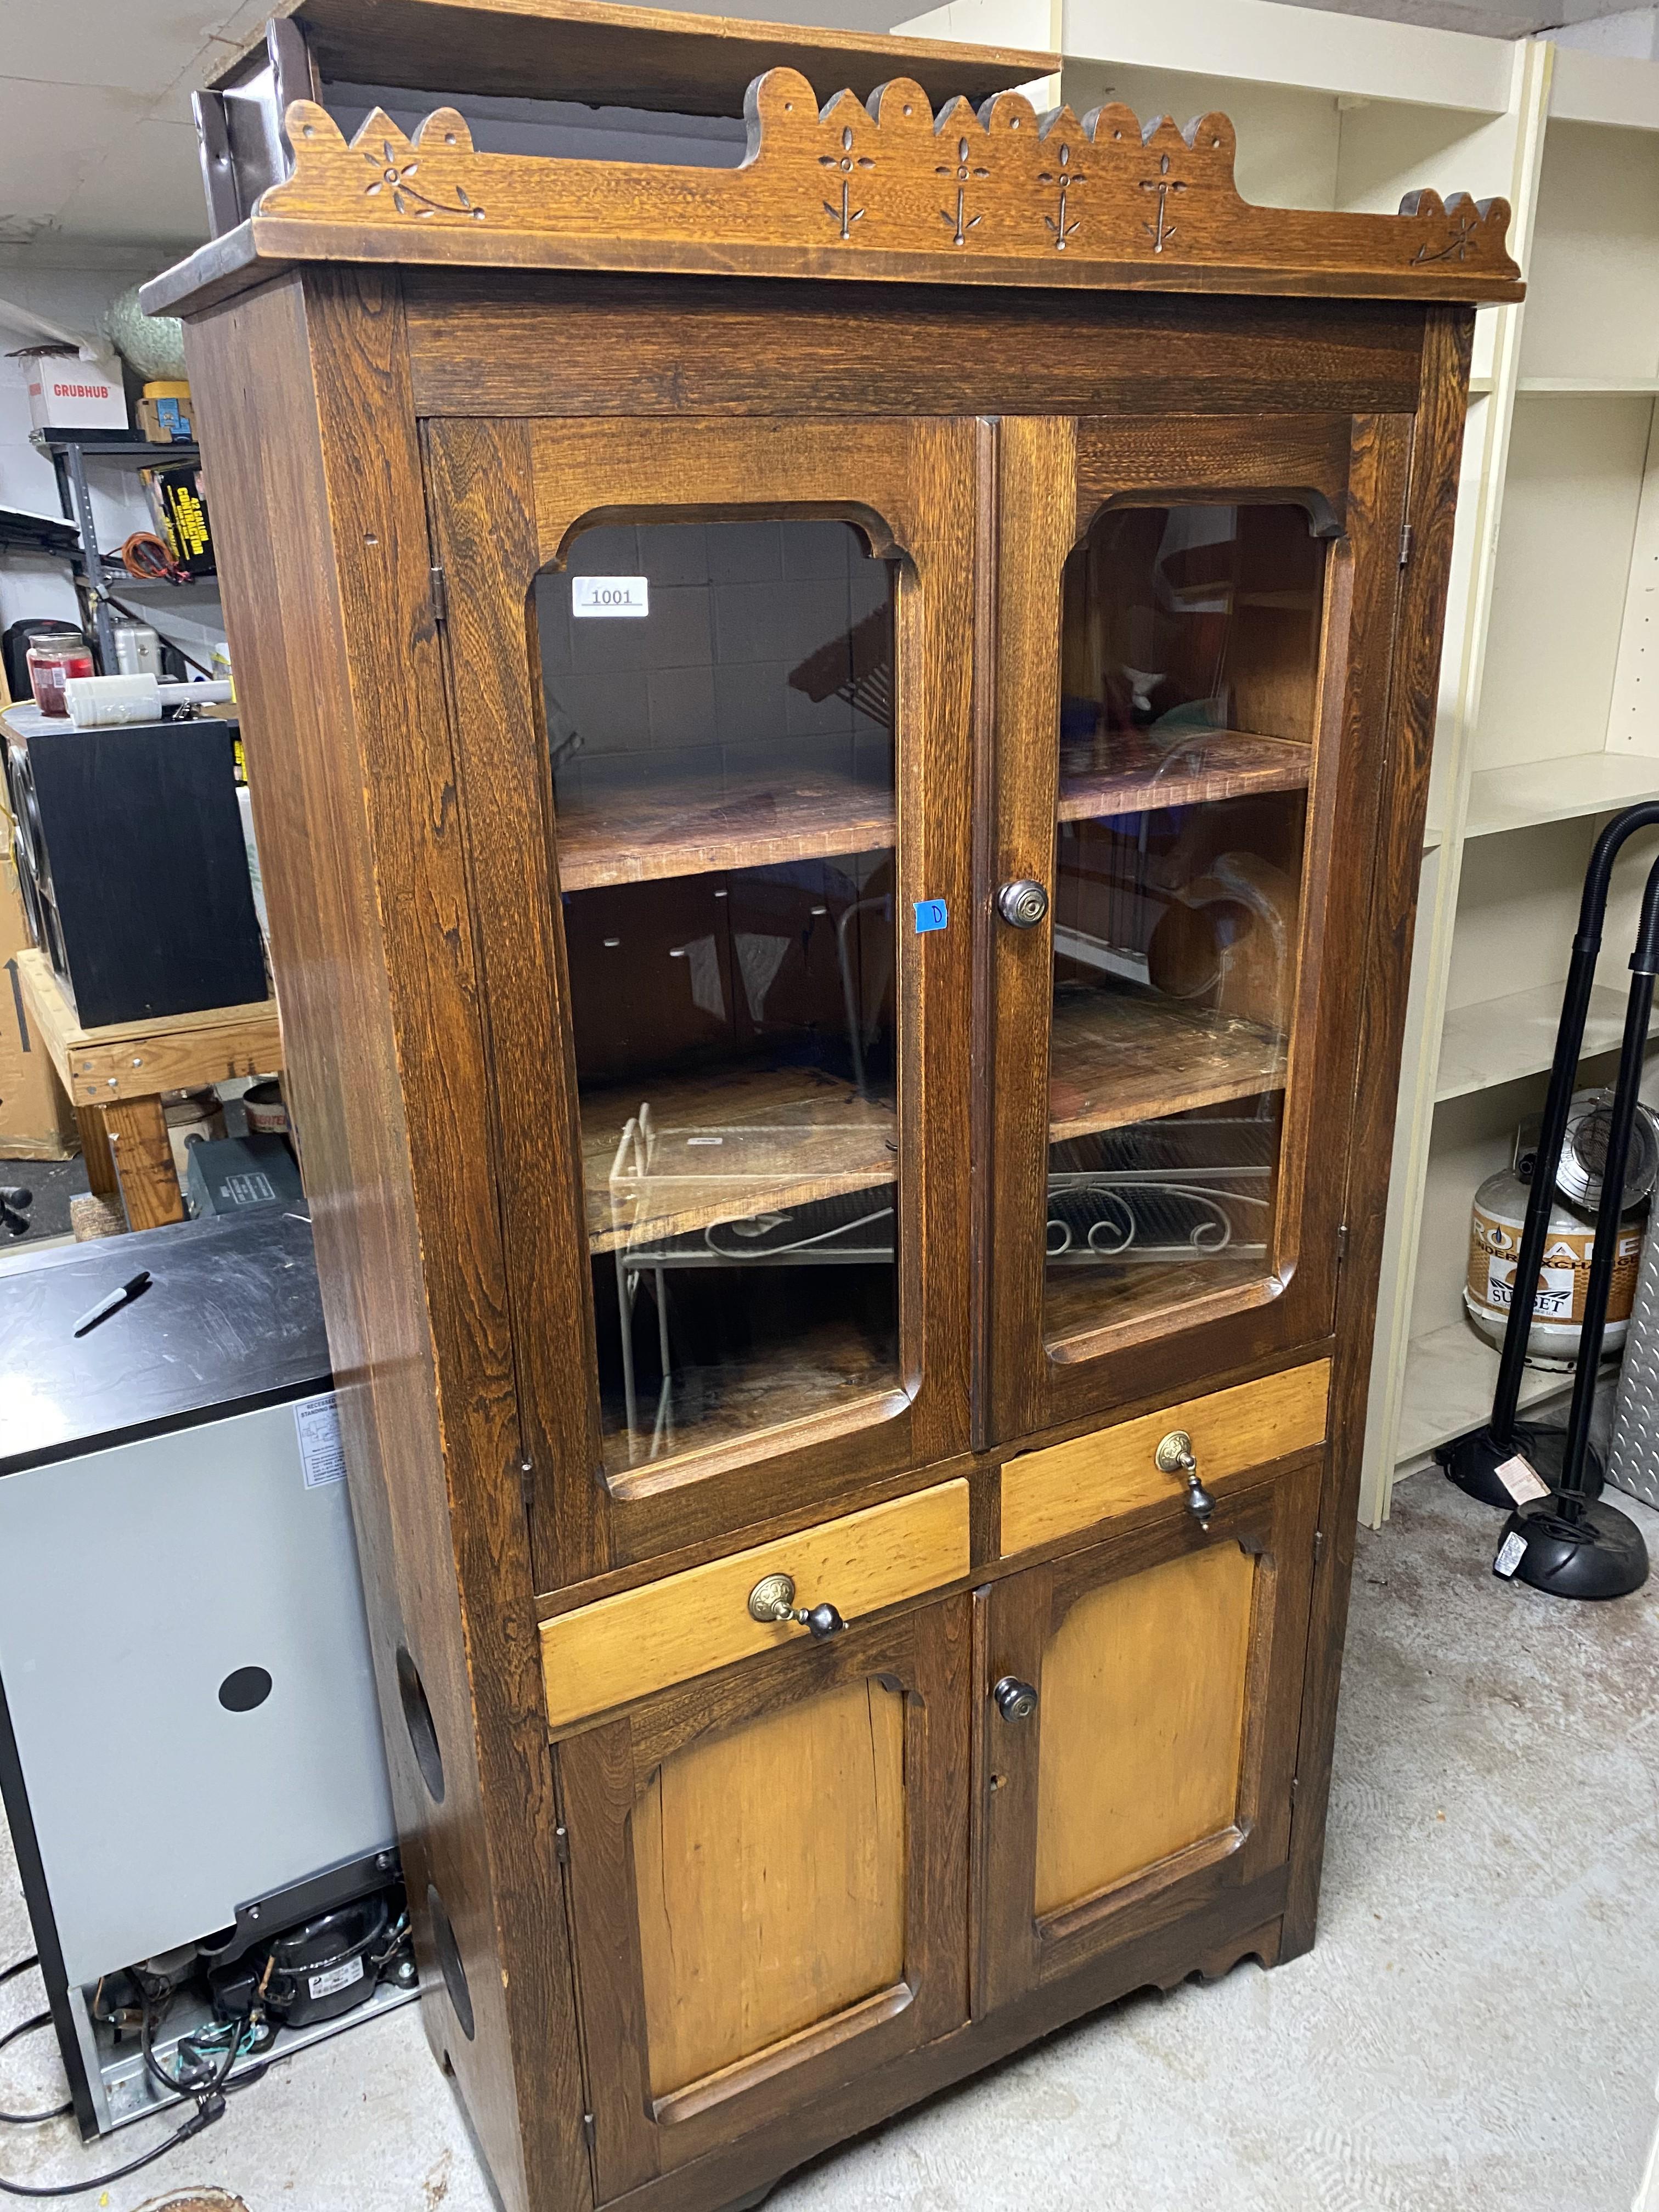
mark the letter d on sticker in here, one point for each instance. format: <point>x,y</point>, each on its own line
<point>931,913</point>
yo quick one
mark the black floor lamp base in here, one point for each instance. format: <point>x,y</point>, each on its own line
<point>1472,1461</point>
<point>1601,1555</point>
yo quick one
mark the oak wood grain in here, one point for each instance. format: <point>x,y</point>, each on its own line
<point>920,1659</point>
<point>1068,1487</point>
<point>624,1648</point>
<point>858,192</point>
<point>1227,1758</point>
<point>1142,1722</point>
<point>769,1864</point>
<point>323,551</point>
<point>605,346</point>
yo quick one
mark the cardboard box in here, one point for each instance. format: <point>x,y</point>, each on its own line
<point>37,1122</point>
<point>67,394</point>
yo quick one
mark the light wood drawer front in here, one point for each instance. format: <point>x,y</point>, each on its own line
<point>1070,1486</point>
<point>625,1647</point>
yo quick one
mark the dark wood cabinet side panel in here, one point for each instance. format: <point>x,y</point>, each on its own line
<point>310,437</point>
<point>1382,982</point>
<point>637,345</point>
<point>484,516</point>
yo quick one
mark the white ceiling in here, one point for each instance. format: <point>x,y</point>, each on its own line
<point>97,161</point>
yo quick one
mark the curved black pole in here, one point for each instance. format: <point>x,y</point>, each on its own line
<point>1564,1070</point>
<point>1604,1253</point>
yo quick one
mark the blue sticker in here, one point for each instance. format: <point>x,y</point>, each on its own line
<point>931,913</point>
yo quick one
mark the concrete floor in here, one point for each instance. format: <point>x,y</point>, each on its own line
<point>1477,2029</point>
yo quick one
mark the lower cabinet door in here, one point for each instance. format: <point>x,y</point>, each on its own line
<point>768,1880</point>
<point>1140,1701</point>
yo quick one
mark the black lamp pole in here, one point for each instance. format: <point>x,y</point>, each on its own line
<point>1472,1461</point>
<point>1576,1546</point>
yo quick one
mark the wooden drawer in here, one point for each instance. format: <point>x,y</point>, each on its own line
<point>1072,1487</point>
<point>607,1655</point>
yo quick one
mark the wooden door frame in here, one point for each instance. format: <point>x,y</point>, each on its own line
<point>1015,1621</point>
<point>1053,475</point>
<point>602,1773</point>
<point>505,500</point>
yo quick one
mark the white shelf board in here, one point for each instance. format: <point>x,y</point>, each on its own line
<point>1265,42</point>
<point>1587,387</point>
<point>1499,1040</point>
<point>1450,1375</point>
<point>1482,387</point>
<point>1558,790</point>
<point>1591,88</point>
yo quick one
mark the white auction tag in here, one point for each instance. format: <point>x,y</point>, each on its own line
<point>598,596</point>
<point>1521,1478</point>
<point>1511,1552</point>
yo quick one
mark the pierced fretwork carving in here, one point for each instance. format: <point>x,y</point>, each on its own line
<point>904,192</point>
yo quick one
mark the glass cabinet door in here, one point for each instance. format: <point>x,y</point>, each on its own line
<point>719,704</point>
<point>1183,781</point>
<point>712,684</point>
<point>1189,665</point>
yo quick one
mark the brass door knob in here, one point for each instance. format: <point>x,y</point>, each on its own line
<point>1174,1456</point>
<point>1016,1700</point>
<point>773,1600</point>
<point>1022,903</point>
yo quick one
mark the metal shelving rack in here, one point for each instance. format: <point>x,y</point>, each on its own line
<point>68,451</point>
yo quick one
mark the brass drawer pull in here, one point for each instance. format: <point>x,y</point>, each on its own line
<point>1175,1457</point>
<point>773,1598</point>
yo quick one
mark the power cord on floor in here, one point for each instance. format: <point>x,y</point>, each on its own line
<point>209,2104</point>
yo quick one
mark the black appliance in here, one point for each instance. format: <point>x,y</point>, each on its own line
<point>132,864</point>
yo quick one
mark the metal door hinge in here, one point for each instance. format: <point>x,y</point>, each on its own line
<point>440,589</point>
<point>1319,1545</point>
<point>1341,1245</point>
<point>527,1481</point>
<point>590,2130</point>
<point>1407,537</point>
<point>561,1844</point>
<point>1296,1783</point>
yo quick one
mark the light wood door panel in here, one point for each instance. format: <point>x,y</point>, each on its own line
<point>768,1883</point>
<point>1156,1663</point>
<point>769,1864</point>
<point>1155,1769</point>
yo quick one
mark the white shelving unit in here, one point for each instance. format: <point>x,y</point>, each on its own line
<point>1549,692</point>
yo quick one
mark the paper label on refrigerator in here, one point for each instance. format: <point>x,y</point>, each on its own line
<point>1521,1478</point>
<point>317,1425</point>
<point>599,597</point>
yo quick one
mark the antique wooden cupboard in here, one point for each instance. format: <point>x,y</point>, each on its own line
<point>839,749</point>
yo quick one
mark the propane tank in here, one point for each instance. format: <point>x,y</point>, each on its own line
<point>1499,1214</point>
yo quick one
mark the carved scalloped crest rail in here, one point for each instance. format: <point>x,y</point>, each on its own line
<point>1001,194</point>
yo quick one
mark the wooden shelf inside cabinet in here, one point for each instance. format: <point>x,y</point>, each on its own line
<point>726,1148</point>
<point>701,825</point>
<point>1138,776</point>
<point>1121,1057</point>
